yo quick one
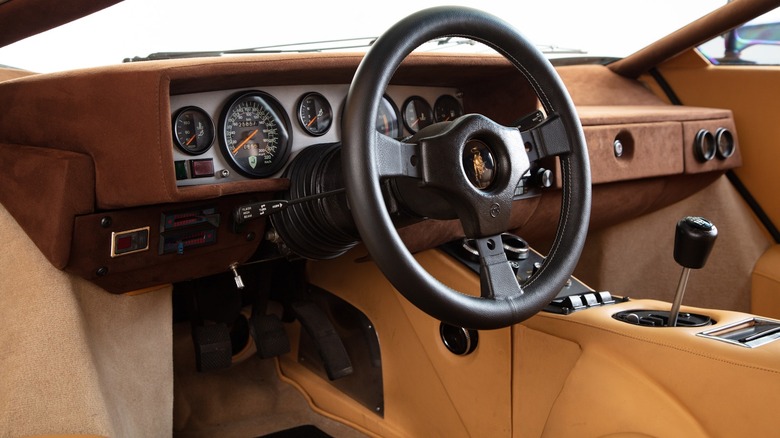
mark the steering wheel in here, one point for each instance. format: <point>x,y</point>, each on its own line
<point>454,159</point>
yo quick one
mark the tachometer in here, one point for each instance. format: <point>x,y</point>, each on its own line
<point>255,134</point>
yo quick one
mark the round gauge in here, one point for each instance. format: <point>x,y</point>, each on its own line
<point>417,114</point>
<point>255,134</point>
<point>193,130</point>
<point>387,121</point>
<point>446,108</point>
<point>315,114</point>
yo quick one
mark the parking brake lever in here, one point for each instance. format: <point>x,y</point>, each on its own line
<point>693,241</point>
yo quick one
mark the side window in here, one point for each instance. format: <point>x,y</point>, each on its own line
<point>756,42</point>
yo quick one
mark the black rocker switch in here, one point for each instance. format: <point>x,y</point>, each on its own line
<point>693,240</point>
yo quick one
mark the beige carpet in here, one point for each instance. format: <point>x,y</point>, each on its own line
<point>246,400</point>
<point>75,359</point>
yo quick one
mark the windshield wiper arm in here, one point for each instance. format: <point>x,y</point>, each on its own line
<point>443,43</point>
<point>314,46</point>
<point>553,49</point>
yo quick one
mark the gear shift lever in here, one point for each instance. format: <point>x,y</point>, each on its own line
<point>693,242</point>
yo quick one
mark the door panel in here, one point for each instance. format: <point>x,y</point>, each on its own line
<point>752,93</point>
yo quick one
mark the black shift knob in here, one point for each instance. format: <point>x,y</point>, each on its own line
<point>693,241</point>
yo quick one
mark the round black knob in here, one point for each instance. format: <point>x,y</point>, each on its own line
<point>693,241</point>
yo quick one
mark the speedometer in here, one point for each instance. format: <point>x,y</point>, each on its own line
<point>255,134</point>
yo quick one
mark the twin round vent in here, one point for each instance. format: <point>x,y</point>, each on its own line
<point>706,145</point>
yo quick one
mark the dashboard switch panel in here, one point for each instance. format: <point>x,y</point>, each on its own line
<point>185,229</point>
<point>179,242</point>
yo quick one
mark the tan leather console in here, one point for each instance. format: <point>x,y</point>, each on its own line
<point>652,380</point>
<point>585,374</point>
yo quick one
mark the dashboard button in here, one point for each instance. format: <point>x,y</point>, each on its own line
<point>181,169</point>
<point>202,168</point>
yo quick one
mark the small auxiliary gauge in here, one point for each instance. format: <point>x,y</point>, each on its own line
<point>315,114</point>
<point>193,130</point>
<point>387,122</point>
<point>446,108</point>
<point>417,114</point>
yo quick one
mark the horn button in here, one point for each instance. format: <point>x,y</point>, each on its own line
<point>479,164</point>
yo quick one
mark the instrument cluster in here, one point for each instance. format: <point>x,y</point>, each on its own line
<point>232,135</point>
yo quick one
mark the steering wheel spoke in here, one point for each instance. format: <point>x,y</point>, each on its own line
<point>396,158</point>
<point>546,139</point>
<point>497,279</point>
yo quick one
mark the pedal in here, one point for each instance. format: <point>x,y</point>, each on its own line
<point>270,337</point>
<point>213,350</point>
<point>328,343</point>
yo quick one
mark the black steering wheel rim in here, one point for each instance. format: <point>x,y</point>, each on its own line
<point>362,176</point>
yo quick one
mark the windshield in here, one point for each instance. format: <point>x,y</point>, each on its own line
<point>604,28</point>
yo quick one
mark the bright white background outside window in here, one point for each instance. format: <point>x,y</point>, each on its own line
<point>139,27</point>
<point>758,54</point>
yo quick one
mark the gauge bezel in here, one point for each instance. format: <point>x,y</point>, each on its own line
<point>414,100</point>
<point>303,123</point>
<point>177,140</point>
<point>279,113</point>
<point>439,101</point>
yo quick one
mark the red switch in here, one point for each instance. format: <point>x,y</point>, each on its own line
<point>202,168</point>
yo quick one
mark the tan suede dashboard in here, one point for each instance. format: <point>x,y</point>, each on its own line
<point>92,143</point>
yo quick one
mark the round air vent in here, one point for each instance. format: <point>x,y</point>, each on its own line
<point>704,145</point>
<point>724,141</point>
<point>458,340</point>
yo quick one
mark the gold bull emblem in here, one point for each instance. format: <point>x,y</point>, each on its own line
<point>482,174</point>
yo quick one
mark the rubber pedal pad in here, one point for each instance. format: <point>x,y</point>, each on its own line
<point>270,337</point>
<point>213,349</point>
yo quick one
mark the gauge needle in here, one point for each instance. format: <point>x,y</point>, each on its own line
<point>311,122</point>
<point>415,122</point>
<point>190,140</point>
<point>240,145</point>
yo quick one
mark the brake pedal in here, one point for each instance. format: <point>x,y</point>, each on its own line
<point>270,337</point>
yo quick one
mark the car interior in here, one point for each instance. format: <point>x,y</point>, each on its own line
<point>392,243</point>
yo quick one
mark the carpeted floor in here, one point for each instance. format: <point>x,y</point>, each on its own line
<point>247,400</point>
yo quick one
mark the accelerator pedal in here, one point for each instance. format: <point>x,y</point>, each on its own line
<point>329,345</point>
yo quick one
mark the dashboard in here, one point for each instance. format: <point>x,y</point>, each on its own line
<point>150,197</point>
<point>242,134</point>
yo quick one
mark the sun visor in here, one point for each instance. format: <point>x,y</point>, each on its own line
<point>20,19</point>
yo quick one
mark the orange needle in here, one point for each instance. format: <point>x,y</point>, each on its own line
<point>190,140</point>
<point>240,145</point>
<point>311,121</point>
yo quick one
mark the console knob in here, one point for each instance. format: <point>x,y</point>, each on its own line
<point>693,241</point>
